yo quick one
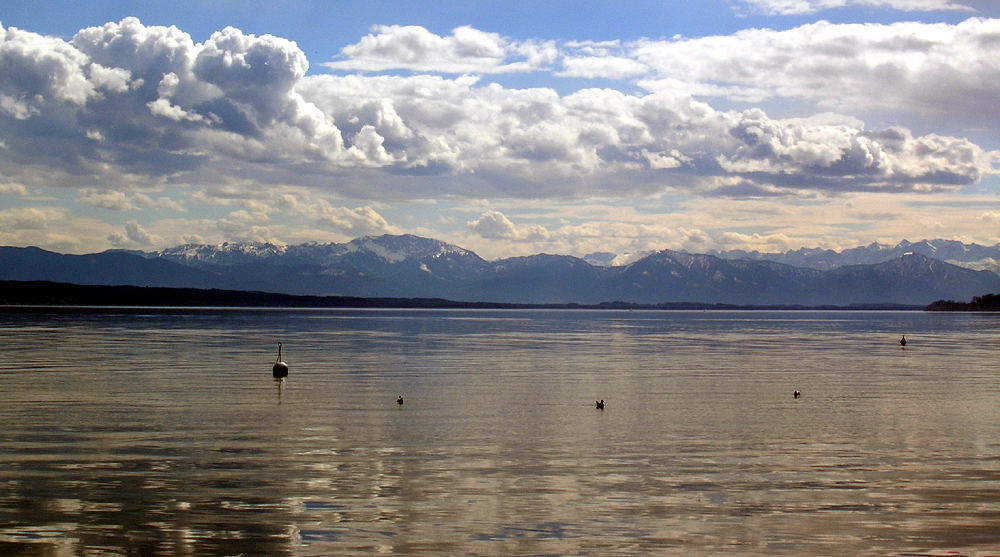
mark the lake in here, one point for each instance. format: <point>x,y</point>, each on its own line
<point>162,432</point>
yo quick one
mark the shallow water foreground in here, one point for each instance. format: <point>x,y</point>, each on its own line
<point>161,432</point>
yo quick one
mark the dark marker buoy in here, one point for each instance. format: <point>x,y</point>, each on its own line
<point>280,369</point>
<point>902,341</point>
<point>600,404</point>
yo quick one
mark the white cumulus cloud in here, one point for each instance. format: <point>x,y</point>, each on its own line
<point>496,226</point>
<point>125,107</point>
<point>13,189</point>
<point>466,50</point>
<point>902,67</point>
<point>797,7</point>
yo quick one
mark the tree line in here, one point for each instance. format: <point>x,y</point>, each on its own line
<point>988,302</point>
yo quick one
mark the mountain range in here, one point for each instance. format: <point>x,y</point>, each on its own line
<point>407,266</point>
<point>972,256</point>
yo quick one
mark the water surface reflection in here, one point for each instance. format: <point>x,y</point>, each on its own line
<point>163,433</point>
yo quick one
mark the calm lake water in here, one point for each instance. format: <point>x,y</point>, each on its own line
<point>159,432</point>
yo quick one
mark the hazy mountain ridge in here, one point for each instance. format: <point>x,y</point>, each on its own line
<point>971,256</point>
<point>413,267</point>
<point>109,268</point>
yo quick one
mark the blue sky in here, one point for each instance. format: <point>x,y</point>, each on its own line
<point>507,128</point>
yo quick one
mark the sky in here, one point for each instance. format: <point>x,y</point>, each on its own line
<point>508,128</point>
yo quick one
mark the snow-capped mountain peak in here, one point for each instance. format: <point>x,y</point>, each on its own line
<point>226,253</point>
<point>395,249</point>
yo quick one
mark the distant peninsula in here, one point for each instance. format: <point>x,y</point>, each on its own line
<point>989,302</point>
<point>29,294</point>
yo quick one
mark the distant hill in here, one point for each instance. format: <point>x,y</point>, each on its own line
<point>45,293</point>
<point>409,266</point>
<point>27,296</point>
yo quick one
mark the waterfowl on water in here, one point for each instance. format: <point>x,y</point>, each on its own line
<point>797,393</point>
<point>600,404</point>
<point>399,400</point>
<point>902,341</point>
<point>280,369</point>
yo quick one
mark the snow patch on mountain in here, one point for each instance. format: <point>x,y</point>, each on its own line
<point>985,264</point>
